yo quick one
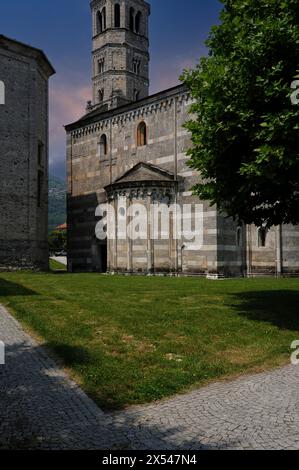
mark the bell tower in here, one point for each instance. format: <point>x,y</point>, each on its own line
<point>120,51</point>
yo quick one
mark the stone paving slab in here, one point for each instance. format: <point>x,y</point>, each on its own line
<point>41,408</point>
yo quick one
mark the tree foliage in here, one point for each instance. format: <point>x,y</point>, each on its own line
<point>57,241</point>
<point>245,127</point>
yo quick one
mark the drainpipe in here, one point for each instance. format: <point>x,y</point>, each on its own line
<point>176,188</point>
<point>182,257</point>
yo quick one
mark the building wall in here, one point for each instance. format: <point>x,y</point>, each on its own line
<point>223,253</point>
<point>89,173</point>
<point>24,135</point>
<point>290,249</point>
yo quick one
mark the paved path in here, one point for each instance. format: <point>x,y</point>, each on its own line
<point>41,408</point>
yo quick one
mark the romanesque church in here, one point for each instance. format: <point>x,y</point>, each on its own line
<point>133,145</point>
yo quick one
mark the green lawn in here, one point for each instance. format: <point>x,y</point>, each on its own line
<point>56,266</point>
<point>136,339</point>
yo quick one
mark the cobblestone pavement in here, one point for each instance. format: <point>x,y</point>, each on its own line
<point>41,408</point>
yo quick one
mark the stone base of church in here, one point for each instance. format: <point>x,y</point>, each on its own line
<point>17,255</point>
<point>207,275</point>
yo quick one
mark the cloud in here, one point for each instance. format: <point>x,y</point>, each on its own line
<point>67,104</point>
<point>165,74</point>
<point>69,94</point>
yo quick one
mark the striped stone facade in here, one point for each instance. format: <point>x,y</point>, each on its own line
<point>108,159</point>
<point>227,250</point>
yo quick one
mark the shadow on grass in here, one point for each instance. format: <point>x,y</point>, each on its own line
<point>72,355</point>
<point>279,307</point>
<point>11,289</point>
<point>52,413</point>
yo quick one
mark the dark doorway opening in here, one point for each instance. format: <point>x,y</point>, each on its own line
<point>103,255</point>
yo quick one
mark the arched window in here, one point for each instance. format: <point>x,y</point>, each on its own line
<point>132,19</point>
<point>138,22</point>
<point>141,135</point>
<point>99,22</point>
<point>103,146</point>
<point>104,18</point>
<point>239,236</point>
<point>262,237</point>
<point>117,15</point>
<point>101,66</point>
<point>101,95</point>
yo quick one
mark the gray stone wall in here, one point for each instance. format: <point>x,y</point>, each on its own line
<point>290,249</point>
<point>24,157</point>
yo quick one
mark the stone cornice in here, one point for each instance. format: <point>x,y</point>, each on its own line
<point>97,3</point>
<point>111,45</point>
<point>156,190</point>
<point>133,111</point>
<point>137,35</point>
<point>105,75</point>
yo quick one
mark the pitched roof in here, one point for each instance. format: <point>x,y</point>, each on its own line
<point>61,227</point>
<point>143,173</point>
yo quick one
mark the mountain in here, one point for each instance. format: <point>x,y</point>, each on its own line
<point>57,202</point>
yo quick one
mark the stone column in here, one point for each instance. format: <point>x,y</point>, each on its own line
<point>150,241</point>
<point>129,237</point>
<point>172,241</point>
<point>109,243</point>
<point>175,140</point>
<point>176,241</point>
<point>115,268</point>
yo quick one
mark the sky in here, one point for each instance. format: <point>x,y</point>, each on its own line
<point>62,28</point>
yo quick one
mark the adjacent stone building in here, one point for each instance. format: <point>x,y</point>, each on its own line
<point>131,147</point>
<point>24,74</point>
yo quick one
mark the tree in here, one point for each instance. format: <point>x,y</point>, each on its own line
<point>245,126</point>
<point>57,241</point>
